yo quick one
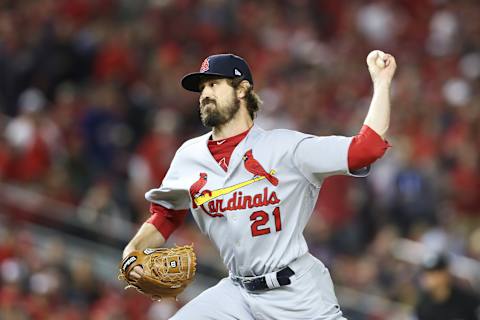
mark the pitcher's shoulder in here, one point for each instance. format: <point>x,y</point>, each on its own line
<point>284,136</point>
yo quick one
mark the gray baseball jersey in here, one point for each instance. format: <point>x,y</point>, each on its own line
<point>255,213</point>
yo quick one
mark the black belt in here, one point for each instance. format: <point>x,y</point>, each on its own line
<point>260,283</point>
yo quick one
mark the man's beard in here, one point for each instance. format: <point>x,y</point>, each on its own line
<point>218,116</point>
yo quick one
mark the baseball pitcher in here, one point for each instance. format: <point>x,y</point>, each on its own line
<point>252,192</point>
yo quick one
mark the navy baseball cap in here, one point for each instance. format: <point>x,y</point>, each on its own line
<point>219,65</point>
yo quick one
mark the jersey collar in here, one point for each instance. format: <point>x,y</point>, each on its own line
<point>237,154</point>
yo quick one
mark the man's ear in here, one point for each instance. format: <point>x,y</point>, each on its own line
<point>242,89</point>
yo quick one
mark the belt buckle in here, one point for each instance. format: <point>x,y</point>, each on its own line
<point>250,283</point>
<point>246,283</point>
<point>241,281</point>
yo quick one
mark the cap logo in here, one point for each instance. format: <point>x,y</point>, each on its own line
<point>205,66</point>
<point>237,72</point>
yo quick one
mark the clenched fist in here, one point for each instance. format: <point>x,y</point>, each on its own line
<point>381,66</point>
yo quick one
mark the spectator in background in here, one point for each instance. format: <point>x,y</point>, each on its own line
<point>150,161</point>
<point>414,201</point>
<point>32,136</point>
<point>442,298</point>
<point>103,129</point>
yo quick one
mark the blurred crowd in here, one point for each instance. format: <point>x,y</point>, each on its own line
<point>91,113</point>
<point>48,281</point>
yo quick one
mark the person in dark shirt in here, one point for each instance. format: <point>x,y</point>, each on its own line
<point>441,298</point>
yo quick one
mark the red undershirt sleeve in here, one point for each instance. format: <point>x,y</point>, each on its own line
<point>166,220</point>
<point>365,148</point>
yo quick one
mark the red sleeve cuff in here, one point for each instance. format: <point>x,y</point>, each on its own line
<point>166,220</point>
<point>366,148</point>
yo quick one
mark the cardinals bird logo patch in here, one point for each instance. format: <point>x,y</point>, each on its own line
<point>253,166</point>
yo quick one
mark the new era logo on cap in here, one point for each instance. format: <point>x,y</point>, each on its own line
<point>220,66</point>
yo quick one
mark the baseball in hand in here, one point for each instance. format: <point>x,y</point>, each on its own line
<point>381,65</point>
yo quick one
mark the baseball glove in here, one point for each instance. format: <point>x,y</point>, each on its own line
<point>166,271</point>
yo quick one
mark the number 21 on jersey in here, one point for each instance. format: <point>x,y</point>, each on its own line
<point>261,218</point>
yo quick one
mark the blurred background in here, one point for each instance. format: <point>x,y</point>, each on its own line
<point>91,113</point>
